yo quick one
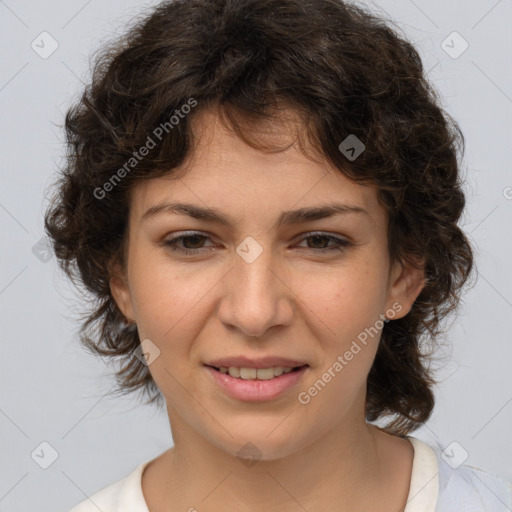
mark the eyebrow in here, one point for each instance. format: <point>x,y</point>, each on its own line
<point>287,217</point>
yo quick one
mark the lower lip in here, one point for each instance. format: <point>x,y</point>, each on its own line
<point>256,390</point>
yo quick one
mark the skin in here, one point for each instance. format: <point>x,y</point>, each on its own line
<point>296,300</point>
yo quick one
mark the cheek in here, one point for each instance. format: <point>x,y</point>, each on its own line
<point>166,296</point>
<point>345,302</point>
<point>169,308</point>
<point>344,313</point>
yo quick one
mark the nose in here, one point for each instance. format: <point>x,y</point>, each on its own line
<point>257,295</point>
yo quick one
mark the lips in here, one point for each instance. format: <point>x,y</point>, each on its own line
<point>255,390</point>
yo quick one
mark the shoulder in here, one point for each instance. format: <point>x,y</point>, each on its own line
<point>472,489</point>
<point>104,499</point>
<point>123,495</point>
<point>466,488</point>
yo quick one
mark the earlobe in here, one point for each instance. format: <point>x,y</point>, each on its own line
<point>407,285</point>
<point>122,296</point>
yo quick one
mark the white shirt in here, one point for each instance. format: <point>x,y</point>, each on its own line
<point>435,487</point>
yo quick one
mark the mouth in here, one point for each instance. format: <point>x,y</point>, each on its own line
<point>246,373</point>
<point>256,384</point>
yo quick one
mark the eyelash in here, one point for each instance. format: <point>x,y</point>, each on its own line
<point>172,243</point>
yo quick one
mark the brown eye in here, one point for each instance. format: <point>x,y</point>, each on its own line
<point>319,238</point>
<point>192,243</point>
<point>320,242</point>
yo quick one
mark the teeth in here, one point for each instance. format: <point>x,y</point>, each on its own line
<point>253,373</point>
<point>234,372</point>
<point>248,373</point>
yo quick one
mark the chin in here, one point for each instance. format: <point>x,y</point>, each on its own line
<point>260,443</point>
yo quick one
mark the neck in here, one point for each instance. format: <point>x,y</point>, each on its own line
<point>343,468</point>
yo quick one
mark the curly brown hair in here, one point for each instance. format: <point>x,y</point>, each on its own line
<point>345,71</point>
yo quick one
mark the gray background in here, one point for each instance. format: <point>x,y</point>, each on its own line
<point>52,391</point>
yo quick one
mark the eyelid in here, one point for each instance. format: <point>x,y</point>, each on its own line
<point>327,234</point>
<point>340,243</point>
<point>185,234</point>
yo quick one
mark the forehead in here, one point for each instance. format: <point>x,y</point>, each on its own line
<point>223,171</point>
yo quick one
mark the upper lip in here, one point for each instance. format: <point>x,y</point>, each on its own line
<point>263,362</point>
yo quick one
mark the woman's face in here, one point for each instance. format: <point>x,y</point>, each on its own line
<point>313,291</point>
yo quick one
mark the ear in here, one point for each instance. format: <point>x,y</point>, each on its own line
<point>121,293</point>
<point>406,283</point>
